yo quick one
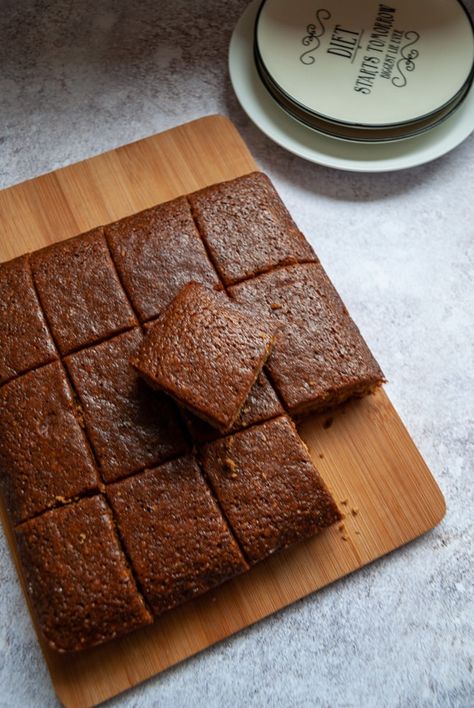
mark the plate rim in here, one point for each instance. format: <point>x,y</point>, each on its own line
<point>323,151</point>
<point>464,87</point>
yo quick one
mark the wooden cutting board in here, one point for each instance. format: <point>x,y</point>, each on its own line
<point>363,450</point>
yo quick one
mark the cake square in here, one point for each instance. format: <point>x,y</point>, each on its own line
<point>246,227</point>
<point>262,404</point>
<point>320,358</point>
<point>80,291</point>
<point>77,576</point>
<point>205,352</point>
<point>157,252</point>
<point>130,426</point>
<point>44,455</point>
<point>24,338</point>
<point>268,487</point>
<point>174,533</point>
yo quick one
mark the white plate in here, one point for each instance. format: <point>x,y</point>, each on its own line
<point>366,64</point>
<point>321,149</point>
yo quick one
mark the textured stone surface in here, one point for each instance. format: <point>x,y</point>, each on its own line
<point>80,78</point>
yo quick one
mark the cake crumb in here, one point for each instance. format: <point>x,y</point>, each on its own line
<point>82,537</point>
<point>230,465</point>
<point>328,422</point>
<point>354,511</point>
<point>345,501</point>
<point>357,532</point>
<point>321,456</point>
<point>345,538</point>
<point>276,306</point>
<point>341,527</point>
<point>79,413</point>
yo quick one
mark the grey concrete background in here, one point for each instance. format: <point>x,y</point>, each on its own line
<point>79,78</point>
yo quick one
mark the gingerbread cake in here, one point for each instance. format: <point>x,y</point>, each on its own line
<point>174,533</point>
<point>205,352</point>
<point>320,358</point>
<point>130,426</point>
<point>268,487</point>
<point>125,505</point>
<point>247,228</point>
<point>24,338</point>
<point>45,458</point>
<point>80,292</point>
<point>261,404</point>
<point>77,575</point>
<point>157,252</point>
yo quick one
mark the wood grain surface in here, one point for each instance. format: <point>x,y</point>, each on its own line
<point>363,450</point>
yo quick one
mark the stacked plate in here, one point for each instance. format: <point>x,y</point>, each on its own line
<point>365,71</point>
<point>364,85</point>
